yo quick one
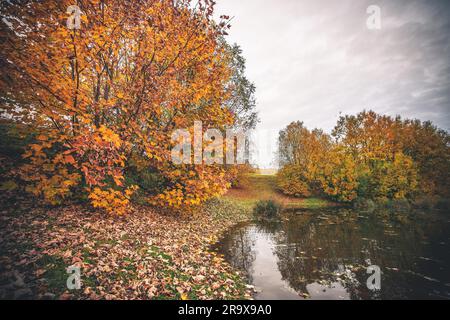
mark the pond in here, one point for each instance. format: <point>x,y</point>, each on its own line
<point>324,254</point>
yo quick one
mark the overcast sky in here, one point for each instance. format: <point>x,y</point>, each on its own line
<point>311,60</point>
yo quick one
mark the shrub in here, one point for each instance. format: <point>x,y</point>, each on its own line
<point>292,181</point>
<point>148,181</point>
<point>339,178</point>
<point>391,178</point>
<point>364,204</point>
<point>239,175</point>
<point>399,205</point>
<point>267,208</point>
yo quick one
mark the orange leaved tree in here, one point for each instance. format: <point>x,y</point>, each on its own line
<point>102,98</point>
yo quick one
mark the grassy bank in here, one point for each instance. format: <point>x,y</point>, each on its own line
<point>145,255</point>
<point>263,187</point>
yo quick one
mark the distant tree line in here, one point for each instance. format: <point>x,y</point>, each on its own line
<point>367,155</point>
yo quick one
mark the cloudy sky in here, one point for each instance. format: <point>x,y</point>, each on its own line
<point>312,60</point>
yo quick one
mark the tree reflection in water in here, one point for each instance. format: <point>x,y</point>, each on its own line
<point>324,254</point>
<point>239,249</point>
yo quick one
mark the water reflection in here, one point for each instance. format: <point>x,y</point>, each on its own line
<point>324,254</point>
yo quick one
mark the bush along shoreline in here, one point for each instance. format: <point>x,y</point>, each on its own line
<point>402,205</point>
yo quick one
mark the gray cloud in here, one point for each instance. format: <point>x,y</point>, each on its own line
<point>311,60</point>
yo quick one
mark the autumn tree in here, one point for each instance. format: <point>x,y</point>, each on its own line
<point>338,176</point>
<point>102,100</point>
<point>371,156</point>
<point>378,141</point>
<point>429,147</point>
<point>389,179</point>
<point>292,181</point>
<point>367,135</point>
<point>300,153</point>
<point>242,103</point>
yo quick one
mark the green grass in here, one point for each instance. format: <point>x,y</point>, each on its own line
<point>315,203</point>
<point>263,187</point>
<point>55,273</point>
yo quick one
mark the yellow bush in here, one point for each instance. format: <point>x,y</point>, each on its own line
<point>291,181</point>
<point>339,177</point>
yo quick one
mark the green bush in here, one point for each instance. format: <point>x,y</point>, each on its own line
<point>267,208</point>
<point>364,204</point>
<point>148,181</point>
<point>398,205</point>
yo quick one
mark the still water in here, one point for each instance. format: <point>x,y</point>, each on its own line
<point>325,254</point>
